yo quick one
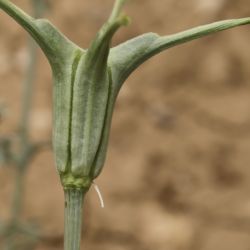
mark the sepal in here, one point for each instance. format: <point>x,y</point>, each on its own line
<point>126,57</point>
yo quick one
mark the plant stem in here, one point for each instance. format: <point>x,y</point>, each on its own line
<point>28,93</point>
<point>18,194</point>
<point>117,9</point>
<point>23,157</point>
<point>73,218</point>
<point>24,144</point>
<point>16,209</point>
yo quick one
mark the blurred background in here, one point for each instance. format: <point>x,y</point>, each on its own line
<point>177,174</point>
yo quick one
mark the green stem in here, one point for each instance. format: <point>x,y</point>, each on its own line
<point>73,218</point>
<point>117,9</point>
<point>23,158</point>
<point>16,209</point>
<point>18,194</point>
<point>27,93</point>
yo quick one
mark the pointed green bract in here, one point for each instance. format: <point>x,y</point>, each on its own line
<point>126,57</point>
<point>86,84</point>
<point>54,44</point>
<point>90,99</point>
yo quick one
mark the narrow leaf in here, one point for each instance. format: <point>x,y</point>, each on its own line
<point>53,43</point>
<point>125,58</point>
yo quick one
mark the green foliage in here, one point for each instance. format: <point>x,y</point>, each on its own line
<point>87,82</point>
<point>85,87</point>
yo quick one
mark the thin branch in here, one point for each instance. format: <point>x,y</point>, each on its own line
<point>27,149</point>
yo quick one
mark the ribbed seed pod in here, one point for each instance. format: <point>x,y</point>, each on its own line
<point>87,82</point>
<point>88,102</point>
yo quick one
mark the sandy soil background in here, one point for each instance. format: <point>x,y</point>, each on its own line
<point>177,175</point>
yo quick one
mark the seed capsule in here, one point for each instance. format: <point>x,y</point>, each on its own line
<point>82,136</point>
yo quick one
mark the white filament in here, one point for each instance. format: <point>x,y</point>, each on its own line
<point>99,194</point>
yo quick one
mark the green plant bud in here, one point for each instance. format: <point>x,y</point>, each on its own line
<point>87,82</point>
<point>77,142</point>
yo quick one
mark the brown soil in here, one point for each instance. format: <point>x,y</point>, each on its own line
<point>177,175</point>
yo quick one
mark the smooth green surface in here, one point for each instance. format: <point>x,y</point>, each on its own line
<point>87,82</point>
<point>126,57</point>
<point>73,218</point>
